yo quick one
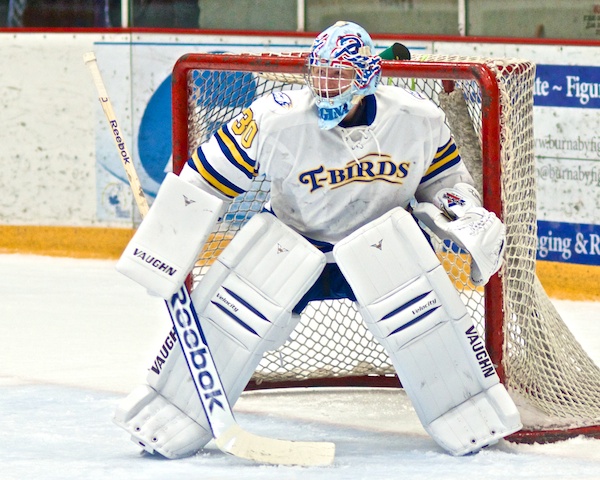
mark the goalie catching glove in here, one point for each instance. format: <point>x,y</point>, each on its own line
<point>457,215</point>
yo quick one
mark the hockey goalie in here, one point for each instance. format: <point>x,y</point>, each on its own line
<point>356,169</point>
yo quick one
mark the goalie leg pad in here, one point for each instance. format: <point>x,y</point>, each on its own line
<point>246,298</point>
<point>165,415</point>
<point>168,241</point>
<point>411,307</point>
<point>158,426</point>
<point>244,303</point>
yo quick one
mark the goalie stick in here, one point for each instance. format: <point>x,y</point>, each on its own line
<point>229,436</point>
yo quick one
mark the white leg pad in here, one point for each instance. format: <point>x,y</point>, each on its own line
<point>246,298</point>
<point>165,415</point>
<point>411,307</point>
<point>244,303</point>
<point>157,425</point>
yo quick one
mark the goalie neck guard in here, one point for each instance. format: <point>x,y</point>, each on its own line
<point>341,70</point>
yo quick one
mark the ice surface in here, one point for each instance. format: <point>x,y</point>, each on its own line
<point>77,336</point>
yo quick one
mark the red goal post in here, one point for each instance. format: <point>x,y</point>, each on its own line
<point>295,65</point>
<point>489,105</point>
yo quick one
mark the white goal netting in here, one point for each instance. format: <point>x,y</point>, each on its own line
<point>489,106</point>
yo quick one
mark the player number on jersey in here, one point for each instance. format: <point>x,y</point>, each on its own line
<point>246,127</point>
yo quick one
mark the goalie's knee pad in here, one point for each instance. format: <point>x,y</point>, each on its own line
<point>411,307</point>
<point>244,303</point>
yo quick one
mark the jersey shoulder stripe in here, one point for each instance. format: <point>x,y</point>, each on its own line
<point>210,175</point>
<point>446,157</point>
<point>234,153</point>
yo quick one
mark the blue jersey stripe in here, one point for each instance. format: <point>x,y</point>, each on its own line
<point>236,155</point>
<point>445,158</point>
<point>214,178</point>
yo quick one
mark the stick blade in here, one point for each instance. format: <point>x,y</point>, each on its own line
<point>240,443</point>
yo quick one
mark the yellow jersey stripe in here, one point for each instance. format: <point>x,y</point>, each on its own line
<point>206,175</point>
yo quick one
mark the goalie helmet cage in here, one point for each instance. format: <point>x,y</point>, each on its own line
<point>489,106</point>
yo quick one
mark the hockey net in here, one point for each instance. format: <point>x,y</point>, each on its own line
<point>489,107</point>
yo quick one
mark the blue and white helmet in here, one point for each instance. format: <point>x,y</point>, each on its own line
<point>341,70</point>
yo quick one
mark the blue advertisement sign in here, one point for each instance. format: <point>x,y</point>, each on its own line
<point>573,86</point>
<point>568,242</point>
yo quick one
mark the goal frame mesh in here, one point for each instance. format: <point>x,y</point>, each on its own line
<point>486,77</point>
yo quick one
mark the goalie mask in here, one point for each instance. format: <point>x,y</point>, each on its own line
<point>341,70</point>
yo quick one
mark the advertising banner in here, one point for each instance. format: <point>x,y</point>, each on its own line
<point>567,149</point>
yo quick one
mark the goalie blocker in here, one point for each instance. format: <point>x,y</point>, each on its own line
<point>414,311</point>
<point>164,248</point>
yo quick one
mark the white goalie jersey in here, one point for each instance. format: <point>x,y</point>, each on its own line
<point>327,183</point>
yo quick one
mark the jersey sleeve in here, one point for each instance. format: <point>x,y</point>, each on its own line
<point>228,160</point>
<point>445,170</point>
